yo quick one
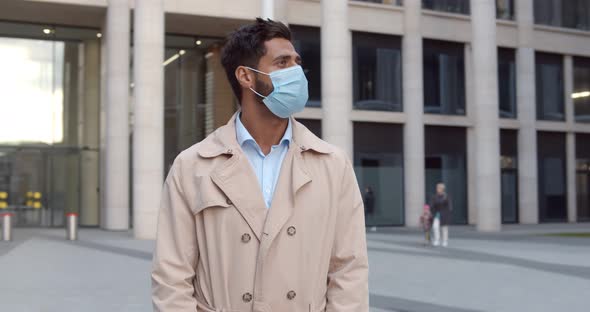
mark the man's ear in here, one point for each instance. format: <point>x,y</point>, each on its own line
<point>245,77</point>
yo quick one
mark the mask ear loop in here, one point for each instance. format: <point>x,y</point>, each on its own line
<point>255,70</point>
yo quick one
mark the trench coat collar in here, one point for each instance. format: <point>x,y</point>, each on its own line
<point>236,179</point>
<point>224,141</point>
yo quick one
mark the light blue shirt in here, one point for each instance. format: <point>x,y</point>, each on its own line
<point>266,167</point>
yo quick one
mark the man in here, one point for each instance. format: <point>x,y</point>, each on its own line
<point>261,215</point>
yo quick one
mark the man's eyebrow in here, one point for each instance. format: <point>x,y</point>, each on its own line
<point>281,57</point>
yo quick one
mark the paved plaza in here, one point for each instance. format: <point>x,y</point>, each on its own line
<point>520,269</point>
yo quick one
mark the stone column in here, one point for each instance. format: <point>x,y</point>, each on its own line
<point>115,211</point>
<point>148,122</point>
<point>568,75</point>
<point>89,140</point>
<point>528,208</point>
<point>336,59</point>
<point>486,120</point>
<point>413,94</point>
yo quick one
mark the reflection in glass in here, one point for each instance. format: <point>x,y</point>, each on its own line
<point>306,41</point>
<point>509,175</point>
<point>32,88</point>
<point>552,185</point>
<point>444,78</point>
<point>450,6</point>
<point>505,9</point>
<point>583,176</point>
<point>377,72</point>
<point>379,169</point>
<point>507,82</point>
<point>563,13</point>
<point>446,162</point>
<point>581,95</point>
<point>549,86</point>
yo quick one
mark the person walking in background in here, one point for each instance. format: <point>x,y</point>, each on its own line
<point>426,221</point>
<point>441,207</point>
<point>369,201</point>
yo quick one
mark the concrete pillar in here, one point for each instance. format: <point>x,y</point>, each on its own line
<point>275,10</point>
<point>526,110</point>
<point>486,120</point>
<point>148,122</point>
<point>268,9</point>
<point>413,93</point>
<point>89,136</point>
<point>471,138</point>
<point>568,75</point>
<point>336,59</point>
<point>115,210</point>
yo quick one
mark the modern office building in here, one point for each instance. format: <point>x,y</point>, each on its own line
<point>97,97</point>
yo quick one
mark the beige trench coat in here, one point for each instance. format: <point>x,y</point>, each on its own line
<point>220,249</point>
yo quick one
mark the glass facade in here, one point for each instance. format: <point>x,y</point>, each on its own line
<point>549,86</point>
<point>184,95</point>
<point>509,175</point>
<point>445,162</point>
<point>444,78</point>
<point>450,6</point>
<point>552,177</point>
<point>377,72</point>
<point>505,9</point>
<point>396,2</point>
<point>583,176</point>
<point>507,82</point>
<point>581,95</point>
<point>46,83</point>
<point>306,41</point>
<point>378,164</point>
<point>563,13</point>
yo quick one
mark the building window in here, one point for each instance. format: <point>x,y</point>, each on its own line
<point>552,183</point>
<point>450,6</point>
<point>505,9</point>
<point>378,163</point>
<point>549,86</point>
<point>581,95</point>
<point>306,41</point>
<point>445,162</point>
<point>583,176</point>
<point>184,94</point>
<point>507,82</point>
<point>444,78</point>
<point>314,125</point>
<point>394,2</point>
<point>377,68</point>
<point>563,13</point>
<point>509,175</point>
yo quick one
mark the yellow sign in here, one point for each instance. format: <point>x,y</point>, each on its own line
<point>29,203</point>
<point>3,195</point>
<point>29,194</point>
<point>37,195</point>
<point>36,205</point>
<point>3,205</point>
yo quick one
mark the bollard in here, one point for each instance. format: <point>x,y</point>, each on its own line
<point>72,226</point>
<point>6,226</point>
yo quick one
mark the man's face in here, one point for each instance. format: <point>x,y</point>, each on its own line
<point>280,54</point>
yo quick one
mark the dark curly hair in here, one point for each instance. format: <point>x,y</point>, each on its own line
<point>245,46</point>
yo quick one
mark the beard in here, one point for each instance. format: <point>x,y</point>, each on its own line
<point>262,88</point>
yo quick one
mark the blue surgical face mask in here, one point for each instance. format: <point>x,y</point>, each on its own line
<point>290,91</point>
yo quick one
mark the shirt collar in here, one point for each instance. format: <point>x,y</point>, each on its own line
<point>244,136</point>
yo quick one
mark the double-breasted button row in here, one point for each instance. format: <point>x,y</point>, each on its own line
<point>291,295</point>
<point>291,230</point>
<point>247,297</point>
<point>246,238</point>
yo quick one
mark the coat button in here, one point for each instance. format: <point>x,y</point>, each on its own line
<point>291,295</point>
<point>247,297</point>
<point>246,238</point>
<point>228,201</point>
<point>291,231</point>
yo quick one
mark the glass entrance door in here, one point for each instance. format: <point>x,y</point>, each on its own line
<point>41,184</point>
<point>583,189</point>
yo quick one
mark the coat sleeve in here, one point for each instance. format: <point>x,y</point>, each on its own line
<point>175,254</point>
<point>348,285</point>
